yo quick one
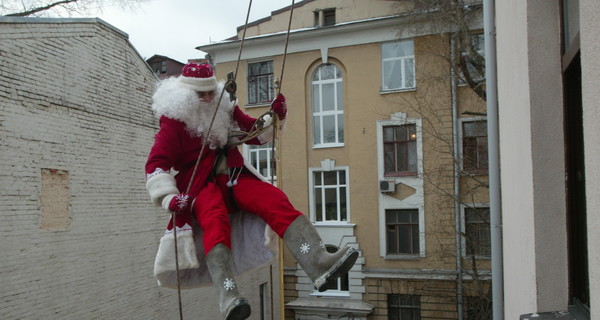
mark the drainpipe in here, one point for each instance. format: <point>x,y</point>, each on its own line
<point>457,215</point>
<point>489,27</point>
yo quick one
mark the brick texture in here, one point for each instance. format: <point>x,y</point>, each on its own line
<point>75,98</point>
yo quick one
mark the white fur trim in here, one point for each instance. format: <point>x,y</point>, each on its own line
<point>186,253</point>
<point>159,186</point>
<point>182,103</point>
<point>167,201</point>
<point>267,136</point>
<point>199,84</point>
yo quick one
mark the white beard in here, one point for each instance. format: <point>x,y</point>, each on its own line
<point>183,104</point>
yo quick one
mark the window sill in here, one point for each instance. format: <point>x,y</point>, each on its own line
<point>473,173</point>
<point>400,175</point>
<point>331,293</point>
<point>397,90</point>
<point>334,224</point>
<point>258,105</point>
<point>402,257</point>
<point>325,146</point>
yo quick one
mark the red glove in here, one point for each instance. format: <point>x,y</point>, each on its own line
<point>279,106</point>
<point>180,203</point>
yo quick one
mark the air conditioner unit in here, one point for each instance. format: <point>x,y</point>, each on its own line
<point>387,186</point>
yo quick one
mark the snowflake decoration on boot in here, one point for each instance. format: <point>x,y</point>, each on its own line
<point>304,248</point>
<point>228,284</point>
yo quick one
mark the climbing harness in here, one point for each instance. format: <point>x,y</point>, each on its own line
<point>258,128</point>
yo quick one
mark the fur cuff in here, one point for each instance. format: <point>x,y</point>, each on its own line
<point>164,264</point>
<point>161,185</point>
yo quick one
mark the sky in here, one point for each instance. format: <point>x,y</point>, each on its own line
<point>174,28</point>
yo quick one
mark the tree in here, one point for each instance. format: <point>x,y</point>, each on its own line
<point>455,65</point>
<point>41,8</point>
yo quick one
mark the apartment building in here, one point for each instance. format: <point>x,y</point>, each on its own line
<point>384,148</point>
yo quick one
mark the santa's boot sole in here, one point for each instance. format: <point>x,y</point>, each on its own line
<point>343,265</point>
<point>240,310</point>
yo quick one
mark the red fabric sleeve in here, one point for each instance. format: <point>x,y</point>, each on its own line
<point>245,122</point>
<point>167,145</point>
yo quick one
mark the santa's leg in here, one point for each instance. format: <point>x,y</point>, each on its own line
<point>213,218</point>
<point>233,306</point>
<point>299,234</point>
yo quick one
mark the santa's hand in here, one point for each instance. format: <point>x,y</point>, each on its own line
<point>279,106</point>
<point>180,203</point>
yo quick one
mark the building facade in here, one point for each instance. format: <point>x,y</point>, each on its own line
<point>384,149</point>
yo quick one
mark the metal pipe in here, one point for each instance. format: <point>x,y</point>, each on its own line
<point>489,27</point>
<point>457,215</point>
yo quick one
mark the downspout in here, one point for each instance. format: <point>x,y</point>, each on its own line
<point>489,27</point>
<point>457,215</point>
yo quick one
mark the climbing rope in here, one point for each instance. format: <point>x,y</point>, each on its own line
<point>258,128</point>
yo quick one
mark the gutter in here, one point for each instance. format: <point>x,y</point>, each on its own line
<point>489,27</point>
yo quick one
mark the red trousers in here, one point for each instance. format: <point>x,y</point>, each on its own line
<point>215,201</point>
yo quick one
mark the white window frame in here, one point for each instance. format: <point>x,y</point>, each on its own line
<point>248,150</point>
<point>313,212</point>
<point>464,229</point>
<point>320,114</point>
<point>403,65</point>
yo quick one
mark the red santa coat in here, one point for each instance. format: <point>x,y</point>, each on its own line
<point>184,122</point>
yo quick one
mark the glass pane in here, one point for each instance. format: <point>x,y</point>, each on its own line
<point>340,96</point>
<point>263,88</point>
<point>317,130</point>
<point>401,155</point>
<point>330,178</point>
<point>391,217</point>
<point>397,49</point>
<point>391,240</point>
<point>340,118</point>
<point>316,75</point>
<point>318,181</point>
<point>388,134</point>
<point>327,71</point>
<point>412,156</point>
<point>329,129</point>
<point>252,89</point>
<point>409,73</point>
<point>328,95</point>
<point>415,240</point>
<point>342,177</point>
<point>343,211</point>
<point>475,129</point>
<point>388,158</point>
<point>316,101</point>
<point>404,239</point>
<point>318,204</point>
<point>253,69</point>
<point>392,75</point>
<point>401,133</point>
<point>331,213</point>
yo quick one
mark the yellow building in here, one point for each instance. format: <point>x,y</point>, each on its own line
<point>384,149</point>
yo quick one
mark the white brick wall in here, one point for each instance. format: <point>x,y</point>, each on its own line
<point>75,96</point>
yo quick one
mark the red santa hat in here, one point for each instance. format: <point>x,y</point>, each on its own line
<point>198,77</point>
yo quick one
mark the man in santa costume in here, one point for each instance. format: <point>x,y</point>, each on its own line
<point>222,203</point>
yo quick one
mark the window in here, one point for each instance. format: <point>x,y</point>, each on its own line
<point>327,106</point>
<point>264,306</point>
<point>475,62</point>
<point>478,308</point>
<point>342,283</point>
<point>397,65</point>
<point>325,17</point>
<point>475,146</point>
<point>477,231</point>
<point>330,196</point>
<point>260,82</point>
<point>260,157</point>
<point>404,307</point>
<point>400,150</point>
<point>402,231</point>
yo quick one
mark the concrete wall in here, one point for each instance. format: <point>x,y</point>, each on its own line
<point>590,68</point>
<point>532,162</point>
<point>78,231</point>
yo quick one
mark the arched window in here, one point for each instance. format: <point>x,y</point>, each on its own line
<point>327,106</point>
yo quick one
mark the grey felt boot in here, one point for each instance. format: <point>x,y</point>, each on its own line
<point>302,239</point>
<point>220,266</point>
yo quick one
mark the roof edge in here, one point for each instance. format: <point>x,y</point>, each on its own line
<point>9,19</point>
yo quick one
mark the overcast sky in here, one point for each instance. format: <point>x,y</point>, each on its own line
<point>173,28</point>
